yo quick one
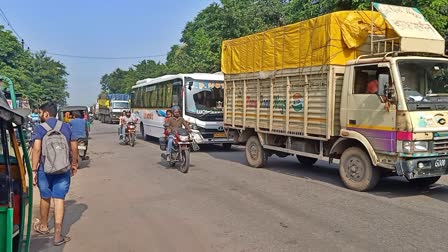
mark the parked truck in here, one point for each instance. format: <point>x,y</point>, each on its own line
<point>111,107</point>
<point>366,88</point>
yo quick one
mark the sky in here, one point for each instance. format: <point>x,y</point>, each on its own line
<point>100,28</point>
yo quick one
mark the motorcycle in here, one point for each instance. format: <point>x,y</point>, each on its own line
<point>130,136</point>
<point>83,143</point>
<point>181,150</point>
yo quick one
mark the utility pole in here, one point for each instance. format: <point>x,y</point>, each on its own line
<point>23,44</point>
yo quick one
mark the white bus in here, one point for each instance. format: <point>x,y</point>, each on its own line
<point>200,97</point>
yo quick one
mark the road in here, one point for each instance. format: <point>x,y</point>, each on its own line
<point>126,199</point>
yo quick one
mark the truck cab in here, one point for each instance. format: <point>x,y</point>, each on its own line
<point>397,106</point>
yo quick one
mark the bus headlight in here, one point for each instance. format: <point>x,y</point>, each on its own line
<point>417,146</point>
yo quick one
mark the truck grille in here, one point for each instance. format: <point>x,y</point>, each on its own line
<point>441,145</point>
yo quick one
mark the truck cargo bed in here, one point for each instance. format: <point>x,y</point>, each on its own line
<point>306,101</point>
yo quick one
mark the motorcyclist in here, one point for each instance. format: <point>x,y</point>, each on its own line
<point>129,117</point>
<point>174,124</point>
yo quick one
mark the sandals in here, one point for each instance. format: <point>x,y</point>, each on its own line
<point>37,227</point>
<point>64,240</point>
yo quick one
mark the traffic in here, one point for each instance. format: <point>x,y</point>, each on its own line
<point>358,90</point>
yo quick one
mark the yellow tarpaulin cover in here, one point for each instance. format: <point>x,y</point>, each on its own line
<point>330,39</point>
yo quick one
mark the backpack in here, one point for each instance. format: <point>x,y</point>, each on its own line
<point>55,150</point>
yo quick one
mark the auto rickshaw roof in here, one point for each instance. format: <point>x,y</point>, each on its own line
<point>16,116</point>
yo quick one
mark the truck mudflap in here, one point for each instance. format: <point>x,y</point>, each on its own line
<point>423,167</point>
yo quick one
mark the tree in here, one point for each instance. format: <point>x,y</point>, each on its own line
<point>37,76</point>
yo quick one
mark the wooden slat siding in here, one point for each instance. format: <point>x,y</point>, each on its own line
<point>315,119</point>
<point>271,105</point>
<point>251,113</point>
<point>239,102</point>
<point>288,102</point>
<point>258,104</point>
<point>305,106</point>
<point>233,104</point>
<point>244,103</point>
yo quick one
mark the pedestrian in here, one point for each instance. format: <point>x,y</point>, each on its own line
<point>78,126</point>
<point>54,161</point>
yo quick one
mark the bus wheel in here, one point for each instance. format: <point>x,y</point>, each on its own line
<point>255,154</point>
<point>356,170</point>
<point>227,146</point>
<point>142,131</point>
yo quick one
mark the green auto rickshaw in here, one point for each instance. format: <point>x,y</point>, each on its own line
<point>16,190</point>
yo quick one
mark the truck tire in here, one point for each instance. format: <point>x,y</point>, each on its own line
<point>255,154</point>
<point>356,170</point>
<point>423,182</point>
<point>306,160</point>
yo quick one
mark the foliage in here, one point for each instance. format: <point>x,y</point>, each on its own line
<point>121,81</point>
<point>35,75</point>
<point>201,39</point>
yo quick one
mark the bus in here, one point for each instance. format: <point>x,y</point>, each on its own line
<point>200,97</point>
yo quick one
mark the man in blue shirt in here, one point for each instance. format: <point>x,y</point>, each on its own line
<point>54,186</point>
<point>35,116</point>
<point>79,126</point>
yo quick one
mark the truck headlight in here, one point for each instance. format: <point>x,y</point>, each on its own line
<point>417,146</point>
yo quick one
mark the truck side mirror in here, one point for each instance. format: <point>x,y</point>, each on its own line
<point>190,84</point>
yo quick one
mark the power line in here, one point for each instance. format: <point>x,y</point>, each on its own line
<point>105,58</point>
<point>9,23</point>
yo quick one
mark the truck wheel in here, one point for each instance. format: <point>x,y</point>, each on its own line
<point>255,154</point>
<point>306,160</point>
<point>423,182</point>
<point>356,170</point>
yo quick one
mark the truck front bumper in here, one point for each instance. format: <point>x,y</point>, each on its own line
<point>423,167</point>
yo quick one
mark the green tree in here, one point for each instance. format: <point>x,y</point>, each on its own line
<point>37,76</point>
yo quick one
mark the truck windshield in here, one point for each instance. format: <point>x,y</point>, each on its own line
<point>425,84</point>
<point>205,99</point>
<point>120,105</point>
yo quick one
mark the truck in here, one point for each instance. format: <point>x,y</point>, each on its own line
<point>111,107</point>
<point>365,89</point>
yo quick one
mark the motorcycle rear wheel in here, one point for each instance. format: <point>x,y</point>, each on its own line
<point>184,161</point>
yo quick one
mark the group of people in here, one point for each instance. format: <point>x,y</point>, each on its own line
<point>79,123</point>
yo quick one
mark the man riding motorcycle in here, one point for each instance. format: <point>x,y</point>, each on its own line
<point>174,123</point>
<point>124,121</point>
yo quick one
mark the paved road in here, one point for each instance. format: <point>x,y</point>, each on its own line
<point>125,199</point>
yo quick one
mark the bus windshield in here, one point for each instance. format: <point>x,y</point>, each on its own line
<point>425,84</point>
<point>120,105</point>
<point>204,98</point>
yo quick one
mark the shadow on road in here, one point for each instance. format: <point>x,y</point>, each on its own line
<point>73,212</point>
<point>391,187</point>
<point>398,187</point>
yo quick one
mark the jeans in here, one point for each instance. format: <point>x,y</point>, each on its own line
<point>169,146</point>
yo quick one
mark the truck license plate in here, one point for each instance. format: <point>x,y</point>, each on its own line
<point>440,163</point>
<point>219,134</point>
